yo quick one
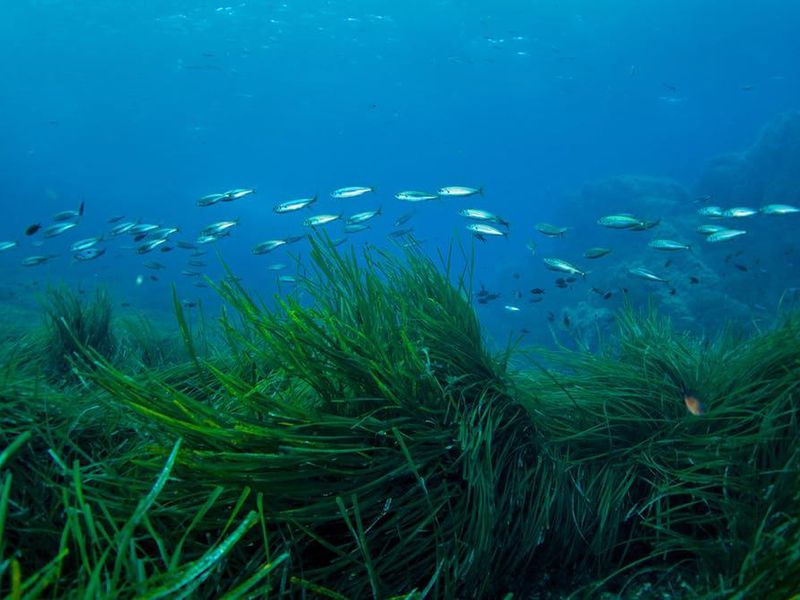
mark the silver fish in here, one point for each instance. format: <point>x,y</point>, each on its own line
<point>363,216</point>
<point>87,243</point>
<point>725,235</point>
<point>189,273</point>
<point>293,205</point>
<point>8,245</point>
<point>779,209</point>
<point>206,239</point>
<point>290,279</point>
<point>415,196</point>
<point>216,229</point>
<point>512,308</point>
<point>351,192</point>
<point>710,211</point>
<point>89,254</point>
<point>66,215</point>
<point>32,261</point>
<point>482,215</point>
<point>642,273</point>
<point>210,199</point>
<point>58,229</point>
<point>709,229</point>
<point>154,265</point>
<point>150,246</point>
<point>562,266</point>
<point>236,194</point>
<point>459,191</point>
<point>668,245</point>
<point>122,228</point>
<point>355,227</point>
<point>268,246</point>
<point>142,228</point>
<point>619,221</point>
<point>164,232</point>
<point>551,230</point>
<point>481,229</point>
<point>740,211</point>
<point>276,267</point>
<point>320,220</point>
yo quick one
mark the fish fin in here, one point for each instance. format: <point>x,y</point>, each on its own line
<point>480,190</point>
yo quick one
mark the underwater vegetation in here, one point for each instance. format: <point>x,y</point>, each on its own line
<point>360,440</point>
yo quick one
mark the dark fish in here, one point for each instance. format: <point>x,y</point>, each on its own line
<point>524,331</point>
<point>667,263</point>
<point>139,237</point>
<point>492,296</point>
<point>741,267</point>
<point>189,304</point>
<point>693,279</point>
<point>560,283</point>
<point>537,291</point>
<point>517,294</point>
<point>598,291</point>
<point>401,232</point>
<point>567,321</point>
<point>483,292</point>
<point>551,316</point>
<point>673,291</point>
<point>571,279</point>
<point>535,299</point>
<point>33,228</point>
<point>166,249</point>
<point>607,295</point>
<point>403,219</point>
<point>482,300</point>
<point>515,275</point>
<point>116,218</point>
<point>153,277</point>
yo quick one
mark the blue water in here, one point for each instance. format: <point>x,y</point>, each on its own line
<point>139,108</point>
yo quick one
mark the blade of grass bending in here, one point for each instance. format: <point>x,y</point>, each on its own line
<point>141,509</point>
<point>18,442</point>
<point>207,505</point>
<point>198,571</point>
<point>358,534</point>
<point>410,461</point>
<point>5,493</point>
<point>186,334</point>
<point>261,573</point>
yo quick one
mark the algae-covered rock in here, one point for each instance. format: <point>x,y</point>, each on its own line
<point>767,172</point>
<point>645,195</point>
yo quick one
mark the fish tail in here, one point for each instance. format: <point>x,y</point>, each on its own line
<point>80,209</point>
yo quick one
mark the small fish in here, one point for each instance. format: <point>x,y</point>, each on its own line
<point>207,239</point>
<point>210,199</point>
<point>709,229</point>
<point>778,209</point>
<point>85,244</point>
<point>667,263</point>
<point>403,219</point>
<point>531,246</point>
<point>154,265</point>
<point>556,264</point>
<point>150,246</point>
<point>216,229</point>
<point>235,194</point>
<point>189,303</point>
<point>459,191</point>
<point>550,230</point>
<point>317,220</point>
<point>739,212</point>
<point>153,278</point>
<point>482,215</point>
<point>647,275</point>
<point>268,246</point>
<point>668,245</point>
<point>142,228</point>
<point>32,261</point>
<point>710,211</point>
<point>293,205</point>
<point>693,405</point>
<point>415,196</point>
<point>567,321</point>
<point>164,232</point>
<point>645,225</point>
<point>480,230</point>
<point>66,215</point>
<point>724,235</point>
<point>596,252</point>
<point>512,308</point>
<point>8,245</point>
<point>196,263</point>
<point>199,253</point>
<point>351,192</point>
<point>31,229</point>
<point>535,300</point>
<point>561,283</point>
<point>190,273</point>
<point>607,295</point>
<point>355,227</point>
<point>619,221</point>
<point>276,267</point>
<point>362,217</point>
<point>122,228</point>
<point>186,245</point>
<point>115,219</point>
<point>89,254</point>
<point>58,229</point>
<point>742,267</point>
<point>200,284</point>
<point>537,291</point>
<point>294,238</point>
<point>694,280</point>
<point>290,279</point>
<point>166,248</point>
<point>139,237</point>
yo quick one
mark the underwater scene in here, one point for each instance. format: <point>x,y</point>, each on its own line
<point>400,300</point>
